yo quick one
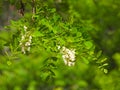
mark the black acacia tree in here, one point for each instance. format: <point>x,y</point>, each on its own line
<point>45,50</point>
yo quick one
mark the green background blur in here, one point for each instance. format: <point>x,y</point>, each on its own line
<point>104,17</point>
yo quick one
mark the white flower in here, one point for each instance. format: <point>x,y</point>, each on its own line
<point>25,41</point>
<point>71,63</point>
<point>25,28</point>
<point>27,44</point>
<point>23,50</point>
<point>30,37</point>
<point>59,47</point>
<point>68,56</point>
<point>23,37</point>
<point>28,49</point>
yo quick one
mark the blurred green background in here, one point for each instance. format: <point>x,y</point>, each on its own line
<point>104,17</point>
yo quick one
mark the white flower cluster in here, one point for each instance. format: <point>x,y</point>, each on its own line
<point>25,42</point>
<point>68,56</point>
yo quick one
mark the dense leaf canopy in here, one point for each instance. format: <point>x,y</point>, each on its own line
<point>59,45</point>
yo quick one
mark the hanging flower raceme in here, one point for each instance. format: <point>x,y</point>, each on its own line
<point>68,56</point>
<point>25,41</point>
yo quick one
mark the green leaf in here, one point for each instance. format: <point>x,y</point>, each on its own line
<point>85,60</point>
<point>53,10</point>
<point>106,64</point>
<point>99,54</point>
<point>103,60</point>
<point>56,18</point>
<point>105,71</point>
<point>79,34</point>
<point>37,34</point>
<point>116,56</point>
<point>9,63</point>
<point>88,44</point>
